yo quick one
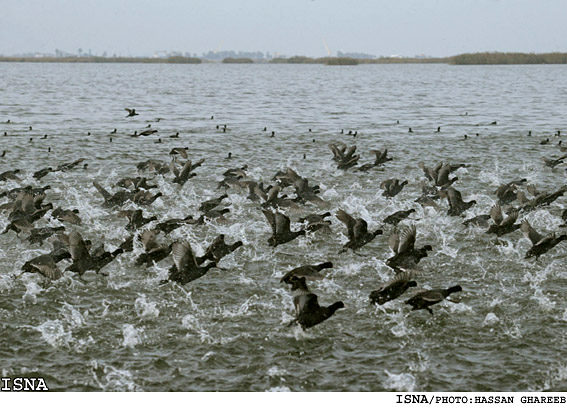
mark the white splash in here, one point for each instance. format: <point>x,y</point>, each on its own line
<point>144,309</point>
<point>54,333</point>
<point>131,336</point>
<point>400,382</point>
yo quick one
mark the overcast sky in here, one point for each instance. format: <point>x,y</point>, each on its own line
<point>290,27</point>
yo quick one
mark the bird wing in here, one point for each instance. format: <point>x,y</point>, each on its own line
<point>432,296</point>
<point>77,246</point>
<point>105,194</point>
<point>273,193</point>
<point>511,218</point>
<point>443,175</point>
<point>496,214</point>
<point>183,256</point>
<point>197,164</point>
<point>309,304</point>
<point>533,190</point>
<point>407,239</point>
<point>271,219</point>
<point>531,233</point>
<point>394,241</point>
<point>360,228</point>
<point>282,223</point>
<point>26,203</point>
<point>173,168</point>
<point>348,220</point>
<point>148,239</point>
<point>48,268</point>
<point>454,197</point>
<point>185,171</point>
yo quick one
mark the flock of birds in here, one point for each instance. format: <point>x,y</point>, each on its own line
<point>26,206</point>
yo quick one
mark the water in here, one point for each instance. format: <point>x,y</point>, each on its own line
<point>228,330</point>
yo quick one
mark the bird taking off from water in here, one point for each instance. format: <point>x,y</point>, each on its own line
<point>131,112</point>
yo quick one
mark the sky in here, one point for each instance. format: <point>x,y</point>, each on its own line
<point>437,28</point>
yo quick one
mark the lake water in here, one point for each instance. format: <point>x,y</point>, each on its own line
<point>228,331</point>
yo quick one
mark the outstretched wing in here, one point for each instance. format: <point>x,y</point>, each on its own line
<point>496,214</point>
<point>348,221</point>
<point>407,239</point>
<point>183,256</point>
<point>271,219</point>
<point>77,246</point>
<point>531,233</point>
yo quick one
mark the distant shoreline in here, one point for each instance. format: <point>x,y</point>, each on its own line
<point>482,58</point>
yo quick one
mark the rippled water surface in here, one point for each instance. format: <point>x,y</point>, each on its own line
<point>228,330</point>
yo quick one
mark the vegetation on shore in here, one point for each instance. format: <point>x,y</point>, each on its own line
<point>230,60</point>
<point>481,58</point>
<point>502,58</point>
<point>169,60</point>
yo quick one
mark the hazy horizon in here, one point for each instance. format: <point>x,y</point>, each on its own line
<point>438,28</point>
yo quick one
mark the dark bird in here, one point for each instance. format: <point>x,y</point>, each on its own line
<point>136,219</point>
<point>392,187</point>
<point>357,231</point>
<point>236,172</point>
<point>428,298</point>
<point>181,176</point>
<point>145,197</point>
<point>316,222</point>
<point>456,204</point>
<point>281,232</point>
<point>38,235</point>
<point>502,226</point>
<point>343,156</point>
<point>552,163</point>
<point>218,250</point>
<point>175,136</point>
<point>212,203</point>
<point>147,132</point>
<point>393,289</point>
<point>541,198</point>
<point>181,151</point>
<point>315,218</point>
<point>116,199</point>
<point>507,193</point>
<point>479,221</point>
<point>82,259</point>
<point>381,157</point>
<point>70,165</point>
<point>131,112</point>
<point>439,174</point>
<point>308,312</point>
<point>153,252</point>
<point>397,217</point>
<point>135,183</point>
<point>10,175</point>
<point>172,224</point>
<point>307,272</point>
<point>45,264</point>
<point>540,243</point>
<point>186,268</point>
<point>402,242</point>
<point>42,173</point>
